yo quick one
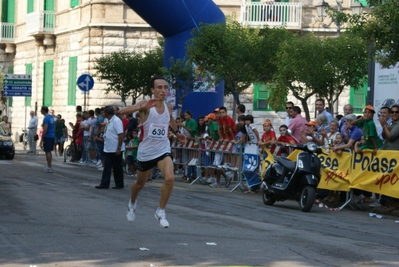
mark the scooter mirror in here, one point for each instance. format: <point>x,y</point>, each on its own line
<point>289,132</point>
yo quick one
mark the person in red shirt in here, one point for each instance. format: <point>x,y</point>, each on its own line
<point>269,136</point>
<point>281,149</point>
<point>227,126</point>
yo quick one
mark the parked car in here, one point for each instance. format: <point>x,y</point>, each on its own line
<point>7,148</point>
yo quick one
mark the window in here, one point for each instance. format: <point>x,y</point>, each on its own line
<point>74,3</point>
<point>7,11</point>
<point>72,70</point>
<point>48,83</point>
<point>358,98</point>
<point>30,6</point>
<point>261,94</point>
<point>28,70</point>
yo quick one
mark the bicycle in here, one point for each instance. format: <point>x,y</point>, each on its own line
<point>69,151</point>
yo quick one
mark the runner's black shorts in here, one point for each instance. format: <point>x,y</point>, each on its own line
<point>148,165</point>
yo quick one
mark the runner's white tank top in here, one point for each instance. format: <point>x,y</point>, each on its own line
<point>155,141</point>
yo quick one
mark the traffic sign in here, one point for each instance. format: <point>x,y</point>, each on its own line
<point>85,82</point>
<point>17,85</point>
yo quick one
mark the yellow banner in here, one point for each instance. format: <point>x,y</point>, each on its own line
<point>377,174</point>
<point>335,171</point>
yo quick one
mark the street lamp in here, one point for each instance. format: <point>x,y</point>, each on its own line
<point>356,7</point>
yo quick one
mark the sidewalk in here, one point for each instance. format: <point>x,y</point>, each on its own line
<point>178,180</point>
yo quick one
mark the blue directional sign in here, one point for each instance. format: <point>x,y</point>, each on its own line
<point>17,85</point>
<point>85,82</point>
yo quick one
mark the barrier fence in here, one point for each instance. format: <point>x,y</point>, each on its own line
<point>373,173</point>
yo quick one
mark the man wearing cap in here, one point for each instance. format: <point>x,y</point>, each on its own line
<point>353,133</point>
<point>370,136</point>
<point>297,124</point>
<point>310,133</point>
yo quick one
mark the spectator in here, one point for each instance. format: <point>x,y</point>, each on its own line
<point>348,109</point>
<point>297,124</point>
<point>100,144</point>
<point>370,137</point>
<point>240,110</point>
<point>385,114</point>
<point>32,131</point>
<point>288,107</point>
<point>268,137</point>
<point>76,138</point>
<point>391,132</point>
<point>131,151</point>
<point>48,137</point>
<point>320,108</point>
<point>353,132</point>
<point>6,125</point>
<point>113,147</point>
<point>310,134</point>
<point>61,135</point>
<point>328,138</point>
<point>99,112</point>
<point>227,126</point>
<point>284,140</point>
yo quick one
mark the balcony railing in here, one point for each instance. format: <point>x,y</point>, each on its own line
<point>272,14</point>
<point>40,22</point>
<point>7,32</point>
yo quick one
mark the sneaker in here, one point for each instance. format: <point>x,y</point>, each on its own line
<point>81,162</point>
<point>375,204</point>
<point>48,170</point>
<point>99,163</point>
<point>131,211</point>
<point>214,185</point>
<point>100,168</point>
<point>210,180</point>
<point>161,217</point>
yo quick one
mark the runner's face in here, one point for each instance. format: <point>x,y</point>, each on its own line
<point>160,89</point>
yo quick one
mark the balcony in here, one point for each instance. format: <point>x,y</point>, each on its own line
<point>7,32</point>
<point>41,22</point>
<point>272,14</point>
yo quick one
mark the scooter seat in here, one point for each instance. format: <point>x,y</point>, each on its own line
<point>288,164</point>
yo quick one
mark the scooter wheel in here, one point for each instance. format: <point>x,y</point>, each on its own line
<point>308,194</point>
<point>268,199</point>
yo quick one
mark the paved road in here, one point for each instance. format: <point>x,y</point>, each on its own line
<point>59,219</point>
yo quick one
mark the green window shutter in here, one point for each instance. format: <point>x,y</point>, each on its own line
<point>49,5</point>
<point>261,95</point>
<point>7,11</point>
<point>72,73</point>
<point>74,3</point>
<point>48,83</point>
<point>11,11</point>
<point>28,70</point>
<point>10,99</point>
<point>358,98</point>
<point>30,6</point>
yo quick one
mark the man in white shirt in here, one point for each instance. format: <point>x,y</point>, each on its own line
<point>113,147</point>
<point>32,130</point>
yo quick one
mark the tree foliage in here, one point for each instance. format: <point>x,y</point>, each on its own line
<point>307,65</point>
<point>127,73</point>
<point>379,26</point>
<point>239,55</point>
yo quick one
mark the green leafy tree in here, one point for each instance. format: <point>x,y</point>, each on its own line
<point>379,26</point>
<point>127,73</point>
<point>226,51</point>
<point>308,65</point>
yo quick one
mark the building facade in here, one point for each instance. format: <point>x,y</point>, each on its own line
<point>56,41</point>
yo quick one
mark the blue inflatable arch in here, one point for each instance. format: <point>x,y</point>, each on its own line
<point>174,20</point>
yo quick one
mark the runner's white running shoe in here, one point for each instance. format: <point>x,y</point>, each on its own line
<point>161,217</point>
<point>131,211</point>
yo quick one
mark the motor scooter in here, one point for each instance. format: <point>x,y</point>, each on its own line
<point>286,179</point>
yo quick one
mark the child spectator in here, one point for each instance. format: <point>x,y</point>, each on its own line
<point>268,138</point>
<point>339,142</point>
<point>370,137</point>
<point>281,149</point>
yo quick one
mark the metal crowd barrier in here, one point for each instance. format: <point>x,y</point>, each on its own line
<point>197,155</point>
